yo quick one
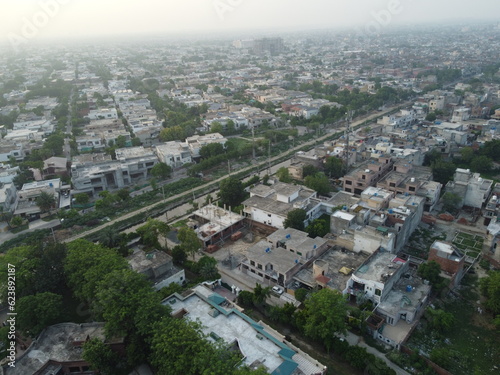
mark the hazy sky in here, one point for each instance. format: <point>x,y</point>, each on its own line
<point>38,19</point>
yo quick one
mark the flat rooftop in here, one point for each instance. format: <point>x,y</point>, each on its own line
<point>406,295</point>
<point>219,216</point>
<point>264,253</point>
<point>340,265</point>
<point>56,343</point>
<point>258,344</point>
<point>42,184</point>
<point>379,264</point>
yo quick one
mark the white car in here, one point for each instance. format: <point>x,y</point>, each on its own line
<point>277,290</point>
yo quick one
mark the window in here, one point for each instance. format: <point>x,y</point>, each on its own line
<point>348,182</point>
<point>259,266</point>
<point>299,253</point>
<point>378,292</point>
<point>252,263</point>
<point>363,177</point>
<point>392,184</point>
<point>412,188</point>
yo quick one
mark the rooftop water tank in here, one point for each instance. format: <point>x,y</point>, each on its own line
<point>408,288</point>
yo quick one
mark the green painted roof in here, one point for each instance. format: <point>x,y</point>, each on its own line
<point>286,368</point>
<point>216,298</point>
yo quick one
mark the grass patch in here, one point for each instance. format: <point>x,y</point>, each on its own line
<point>20,228</point>
<point>474,345</point>
<point>180,224</point>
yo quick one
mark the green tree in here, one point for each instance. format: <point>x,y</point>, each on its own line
<point>86,264</point>
<point>179,255</point>
<point>189,241</point>
<point>245,298</point>
<point>431,116</point>
<point>45,201</point>
<point>318,182</point>
<point>207,268</point>
<point>150,232</point>
<point>451,201</point>
<point>431,157</point>
<point>325,312</point>
<point>443,171</point>
<point>318,228</point>
<point>301,294</point>
<point>309,170</point>
<point>430,271</point>
<point>100,356</point>
<point>467,153</point>
<point>295,219</point>
<point>38,311</point>
<point>481,164</point>
<point>81,198</point>
<point>334,167</point>
<point>109,237</point>
<point>123,194</point>
<point>118,297</point>
<point>231,192</point>
<point>283,175</point>
<point>16,221</point>
<point>211,150</point>
<point>173,344</point>
<point>121,141</point>
<point>490,288</point>
<point>174,133</point>
<point>261,294</point>
<point>440,320</point>
<point>216,127</point>
<point>161,171</point>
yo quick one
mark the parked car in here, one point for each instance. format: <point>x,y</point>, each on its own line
<point>277,290</point>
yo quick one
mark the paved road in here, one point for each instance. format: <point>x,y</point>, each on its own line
<point>263,167</point>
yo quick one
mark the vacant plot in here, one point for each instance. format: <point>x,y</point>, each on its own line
<point>421,240</point>
<point>474,345</point>
<point>470,244</point>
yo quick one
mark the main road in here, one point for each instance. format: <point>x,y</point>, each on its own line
<point>174,213</point>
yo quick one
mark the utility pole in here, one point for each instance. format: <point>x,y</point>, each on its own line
<point>269,159</point>
<point>253,143</point>
<point>348,131</point>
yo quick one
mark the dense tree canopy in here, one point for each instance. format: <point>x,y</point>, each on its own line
<point>231,192</point>
<point>35,312</point>
<point>190,242</point>
<point>161,171</point>
<point>318,182</point>
<point>490,288</point>
<point>295,219</point>
<point>325,313</point>
<point>334,167</point>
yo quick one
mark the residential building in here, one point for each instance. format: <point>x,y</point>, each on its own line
<point>196,142</point>
<point>216,224</point>
<point>93,173</point>
<point>102,113</point>
<point>58,350</point>
<point>55,166</point>
<point>473,190</point>
<point>25,204</point>
<point>277,259</point>
<point>270,204</point>
<point>368,174</point>
<point>157,267</point>
<point>8,194</point>
<point>175,154</point>
<point>450,259</point>
<point>254,342</point>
